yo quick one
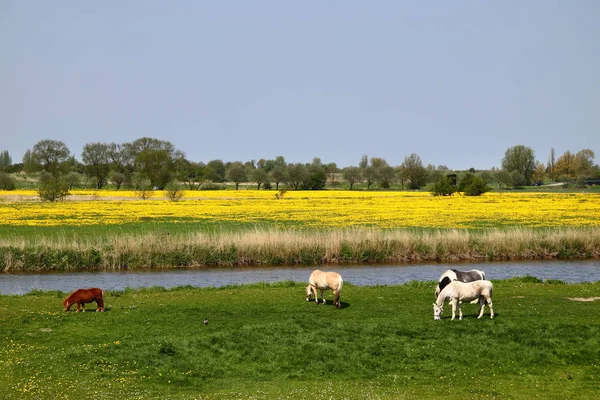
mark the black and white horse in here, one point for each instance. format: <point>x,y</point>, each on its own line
<point>461,276</point>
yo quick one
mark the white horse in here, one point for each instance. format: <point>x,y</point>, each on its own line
<point>455,275</point>
<point>324,280</point>
<point>456,292</point>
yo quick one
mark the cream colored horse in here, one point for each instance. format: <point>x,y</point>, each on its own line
<point>456,292</point>
<point>324,280</point>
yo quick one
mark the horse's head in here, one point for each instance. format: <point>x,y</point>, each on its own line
<point>437,312</point>
<point>308,293</point>
<point>66,304</point>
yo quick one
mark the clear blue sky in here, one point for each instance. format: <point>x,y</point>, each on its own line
<point>457,82</point>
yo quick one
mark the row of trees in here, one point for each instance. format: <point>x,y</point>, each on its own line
<point>568,166</point>
<point>153,163</point>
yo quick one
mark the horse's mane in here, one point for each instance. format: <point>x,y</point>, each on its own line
<point>444,282</point>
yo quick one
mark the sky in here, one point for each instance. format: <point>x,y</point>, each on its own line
<point>456,82</point>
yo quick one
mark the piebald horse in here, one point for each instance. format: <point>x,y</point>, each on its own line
<point>456,292</point>
<point>320,280</point>
<point>454,275</point>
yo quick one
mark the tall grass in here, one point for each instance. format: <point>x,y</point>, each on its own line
<point>269,246</point>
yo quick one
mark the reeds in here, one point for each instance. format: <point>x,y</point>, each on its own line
<point>264,246</point>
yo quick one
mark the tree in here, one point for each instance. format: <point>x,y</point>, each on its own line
<point>297,173</point>
<point>566,165</point>
<point>369,175</point>
<point>414,171</point>
<point>352,175</point>
<point>317,177</point>
<point>50,155</point>
<point>120,157</point>
<point>521,159</point>
<point>382,173</point>
<point>584,163</point>
<point>117,178</point>
<point>173,191</point>
<point>260,176</point>
<point>237,174</point>
<point>279,174</point>
<point>551,165</point>
<point>539,172</point>
<point>215,171</point>
<point>5,160</point>
<point>96,159</point>
<point>333,174</point>
<point>473,185</point>
<point>52,188</point>
<point>443,187</point>
<point>190,173</point>
<point>73,179</point>
<point>7,182</point>
<point>143,186</point>
<point>503,178</point>
<point>156,165</point>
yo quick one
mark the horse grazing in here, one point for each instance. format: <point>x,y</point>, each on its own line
<point>457,292</point>
<point>82,296</point>
<point>324,280</point>
<point>454,275</point>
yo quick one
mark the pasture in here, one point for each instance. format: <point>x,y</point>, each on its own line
<point>265,341</point>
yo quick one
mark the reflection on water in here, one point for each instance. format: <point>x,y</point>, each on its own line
<point>21,283</point>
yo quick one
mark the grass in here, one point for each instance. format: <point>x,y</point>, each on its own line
<point>264,341</point>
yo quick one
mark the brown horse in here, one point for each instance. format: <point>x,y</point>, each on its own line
<point>324,280</point>
<point>82,296</point>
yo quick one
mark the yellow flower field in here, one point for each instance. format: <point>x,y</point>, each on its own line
<point>307,209</point>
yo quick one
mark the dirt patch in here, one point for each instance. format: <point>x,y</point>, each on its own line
<point>583,298</point>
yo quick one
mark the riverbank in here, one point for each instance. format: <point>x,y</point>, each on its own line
<point>265,246</point>
<point>265,341</point>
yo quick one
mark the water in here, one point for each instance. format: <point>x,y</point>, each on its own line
<point>361,275</point>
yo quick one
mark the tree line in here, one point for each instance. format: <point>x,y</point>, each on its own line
<point>156,164</point>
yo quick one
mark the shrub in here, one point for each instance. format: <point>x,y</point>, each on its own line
<point>443,187</point>
<point>173,191</point>
<point>53,188</point>
<point>477,187</point>
<point>7,182</point>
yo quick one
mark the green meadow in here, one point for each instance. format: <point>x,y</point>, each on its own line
<point>264,341</point>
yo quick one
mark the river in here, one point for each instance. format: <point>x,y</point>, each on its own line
<point>572,271</point>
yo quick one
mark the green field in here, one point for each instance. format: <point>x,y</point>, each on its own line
<point>265,341</point>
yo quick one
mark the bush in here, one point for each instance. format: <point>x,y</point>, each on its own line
<point>477,187</point>
<point>53,188</point>
<point>443,187</point>
<point>173,191</point>
<point>7,182</point>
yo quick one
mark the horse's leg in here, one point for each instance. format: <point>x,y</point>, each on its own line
<point>453,309</point>
<point>77,308</point>
<point>323,296</point>
<point>336,298</point>
<point>460,314</point>
<point>315,291</point>
<point>482,306</point>
<point>83,305</point>
<point>489,301</point>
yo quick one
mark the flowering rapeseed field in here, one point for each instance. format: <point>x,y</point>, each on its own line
<point>311,209</point>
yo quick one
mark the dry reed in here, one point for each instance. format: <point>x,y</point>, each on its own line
<point>292,247</point>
